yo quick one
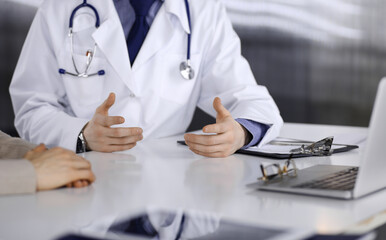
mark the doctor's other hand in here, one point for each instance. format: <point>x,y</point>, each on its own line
<point>228,135</point>
<point>101,137</point>
<point>58,167</point>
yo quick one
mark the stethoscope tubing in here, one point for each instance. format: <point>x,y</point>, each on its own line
<point>187,65</point>
<point>190,29</point>
<point>84,4</point>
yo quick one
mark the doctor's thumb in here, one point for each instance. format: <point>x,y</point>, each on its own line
<point>106,105</point>
<point>220,109</point>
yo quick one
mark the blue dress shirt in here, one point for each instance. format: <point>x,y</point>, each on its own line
<point>127,16</point>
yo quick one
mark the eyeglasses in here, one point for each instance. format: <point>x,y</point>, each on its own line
<point>278,171</point>
<point>319,148</point>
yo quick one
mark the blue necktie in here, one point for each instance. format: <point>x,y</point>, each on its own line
<point>140,28</point>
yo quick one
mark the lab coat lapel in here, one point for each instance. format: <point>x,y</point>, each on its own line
<point>111,41</point>
<point>161,31</point>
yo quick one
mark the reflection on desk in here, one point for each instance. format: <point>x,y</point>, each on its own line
<point>155,223</point>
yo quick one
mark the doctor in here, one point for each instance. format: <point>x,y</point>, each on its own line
<point>135,55</point>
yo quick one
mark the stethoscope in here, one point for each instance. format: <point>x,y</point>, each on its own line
<point>186,69</point>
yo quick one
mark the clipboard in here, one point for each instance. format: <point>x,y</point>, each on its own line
<point>282,151</point>
<point>284,156</point>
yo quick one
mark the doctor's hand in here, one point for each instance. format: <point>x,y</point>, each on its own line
<point>100,136</point>
<point>228,135</point>
<point>58,167</point>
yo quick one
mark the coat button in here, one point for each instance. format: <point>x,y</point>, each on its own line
<point>132,95</point>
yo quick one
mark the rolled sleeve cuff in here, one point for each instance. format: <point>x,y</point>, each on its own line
<point>257,130</point>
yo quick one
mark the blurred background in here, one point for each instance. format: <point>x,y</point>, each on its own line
<point>320,59</point>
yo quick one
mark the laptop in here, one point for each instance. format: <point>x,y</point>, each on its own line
<point>345,182</point>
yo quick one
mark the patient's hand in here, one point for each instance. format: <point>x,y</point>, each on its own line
<point>58,167</point>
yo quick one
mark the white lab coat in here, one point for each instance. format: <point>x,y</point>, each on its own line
<point>51,108</point>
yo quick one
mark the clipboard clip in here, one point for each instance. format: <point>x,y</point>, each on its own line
<point>319,148</point>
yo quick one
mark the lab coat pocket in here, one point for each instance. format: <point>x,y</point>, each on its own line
<point>175,87</point>
<point>84,91</point>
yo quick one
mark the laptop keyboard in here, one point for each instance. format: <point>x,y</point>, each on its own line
<point>342,180</point>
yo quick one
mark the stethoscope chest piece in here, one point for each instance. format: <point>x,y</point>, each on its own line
<point>186,70</point>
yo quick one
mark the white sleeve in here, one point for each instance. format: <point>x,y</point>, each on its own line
<point>38,95</point>
<point>227,74</point>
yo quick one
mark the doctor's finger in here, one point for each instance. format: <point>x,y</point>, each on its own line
<point>206,148</point>
<point>108,121</point>
<point>106,105</point>
<point>216,128</point>
<point>123,132</point>
<point>205,139</point>
<point>124,140</point>
<point>220,109</point>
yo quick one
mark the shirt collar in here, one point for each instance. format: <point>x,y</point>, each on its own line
<point>177,8</point>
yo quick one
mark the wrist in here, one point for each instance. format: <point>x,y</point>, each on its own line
<point>248,136</point>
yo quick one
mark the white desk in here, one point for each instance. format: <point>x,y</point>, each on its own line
<point>165,174</point>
